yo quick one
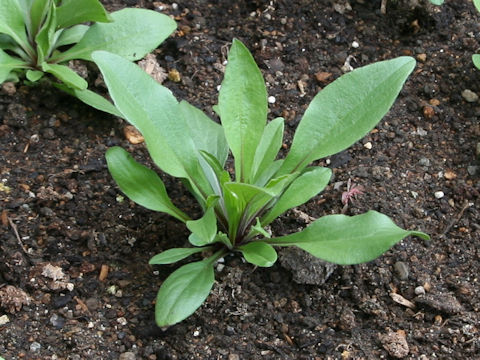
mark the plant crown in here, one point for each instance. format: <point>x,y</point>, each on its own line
<point>238,207</point>
<point>42,36</point>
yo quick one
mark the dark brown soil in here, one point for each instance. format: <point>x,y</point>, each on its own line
<point>63,218</point>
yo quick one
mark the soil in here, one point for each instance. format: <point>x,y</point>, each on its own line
<point>64,222</point>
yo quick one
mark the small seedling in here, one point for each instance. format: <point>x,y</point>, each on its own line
<point>42,36</point>
<point>237,208</point>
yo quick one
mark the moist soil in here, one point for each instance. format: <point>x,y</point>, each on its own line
<point>74,276</point>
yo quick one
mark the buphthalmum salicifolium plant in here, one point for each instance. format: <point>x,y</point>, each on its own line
<point>476,57</point>
<point>42,36</point>
<point>238,207</point>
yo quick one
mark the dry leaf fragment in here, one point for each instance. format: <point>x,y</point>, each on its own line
<point>12,299</point>
<point>402,301</point>
<point>53,272</point>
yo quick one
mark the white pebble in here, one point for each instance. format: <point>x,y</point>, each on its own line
<point>439,194</point>
<point>271,99</point>
<point>174,6</point>
<point>355,44</point>
<point>419,290</point>
<point>219,87</point>
<point>368,145</point>
<point>122,321</point>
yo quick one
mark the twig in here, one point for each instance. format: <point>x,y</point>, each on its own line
<point>454,221</point>
<point>15,231</point>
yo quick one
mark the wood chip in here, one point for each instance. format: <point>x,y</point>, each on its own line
<point>323,76</point>
<point>103,273</point>
<point>402,301</point>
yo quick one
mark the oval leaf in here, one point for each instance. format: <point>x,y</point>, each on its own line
<point>140,184</point>
<point>346,110</point>
<point>72,12</point>
<point>476,60</point>
<point>242,103</point>
<point>183,292</point>
<point>259,253</point>
<point>348,240</point>
<point>125,36</point>
<point>173,255</point>
<point>203,229</point>
<point>9,63</point>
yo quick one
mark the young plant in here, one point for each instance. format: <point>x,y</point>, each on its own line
<point>238,208</point>
<point>42,36</point>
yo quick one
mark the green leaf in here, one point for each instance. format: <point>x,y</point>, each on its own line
<point>477,4</point>
<point>437,2</point>
<point>268,148</point>
<point>92,99</point>
<point>347,240</point>
<point>476,60</point>
<point>206,133</point>
<point>140,184</point>
<point>267,174</point>
<point>38,13</point>
<point>258,229</point>
<point>303,188</point>
<point>173,255</point>
<point>183,292</point>
<point>345,110</point>
<point>204,229</point>
<point>9,63</point>
<point>12,22</point>
<point>73,12</point>
<point>154,111</point>
<point>65,74</point>
<point>45,38</point>
<point>242,103</point>
<point>34,75</point>
<point>71,35</point>
<point>125,36</point>
<point>259,253</point>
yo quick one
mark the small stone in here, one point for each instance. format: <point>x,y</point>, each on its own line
<point>472,169</point>
<point>395,343</point>
<point>57,321</point>
<point>401,270</point>
<point>419,290</point>
<point>469,95</point>
<point>424,162</point>
<point>422,57</point>
<point>428,112</point>
<point>233,357</point>
<point>439,194</point>
<point>127,356</point>
<point>4,320</point>
<point>271,99</point>
<point>122,321</point>
<point>368,145</point>
<point>133,135</point>
<point>35,346</point>
<point>434,102</point>
<point>174,75</point>
<point>450,175</point>
<point>355,44</point>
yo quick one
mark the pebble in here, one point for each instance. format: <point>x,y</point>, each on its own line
<point>35,346</point>
<point>368,145</point>
<point>472,169</point>
<point>428,112</point>
<point>133,135</point>
<point>233,357</point>
<point>127,356</point>
<point>439,194</point>
<point>419,290</point>
<point>402,270</point>
<point>271,99</point>
<point>57,321</point>
<point>424,162</point>
<point>4,320</point>
<point>422,57</point>
<point>469,95</point>
<point>355,44</point>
